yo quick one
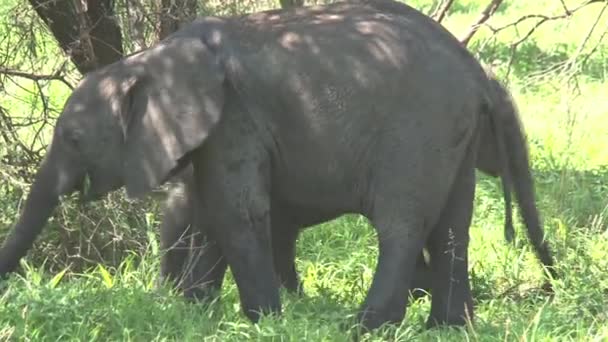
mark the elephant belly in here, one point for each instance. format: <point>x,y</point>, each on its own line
<point>304,216</point>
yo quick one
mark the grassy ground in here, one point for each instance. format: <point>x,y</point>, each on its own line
<point>568,138</point>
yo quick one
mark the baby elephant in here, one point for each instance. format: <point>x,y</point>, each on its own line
<point>178,213</point>
<point>290,118</point>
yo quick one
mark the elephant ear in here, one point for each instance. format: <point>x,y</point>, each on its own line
<point>173,98</point>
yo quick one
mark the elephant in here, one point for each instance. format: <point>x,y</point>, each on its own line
<point>178,210</point>
<point>365,107</point>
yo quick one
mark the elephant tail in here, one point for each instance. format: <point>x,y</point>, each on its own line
<point>505,177</point>
<point>516,173</point>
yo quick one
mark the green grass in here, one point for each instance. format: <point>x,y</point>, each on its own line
<point>336,261</point>
<point>568,135</point>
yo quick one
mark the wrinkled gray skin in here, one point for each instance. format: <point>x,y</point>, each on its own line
<point>304,114</point>
<point>178,209</point>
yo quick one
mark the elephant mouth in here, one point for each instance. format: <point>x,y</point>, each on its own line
<point>86,193</point>
<point>93,188</point>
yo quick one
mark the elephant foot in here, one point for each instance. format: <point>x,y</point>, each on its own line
<point>202,294</point>
<point>297,290</point>
<point>547,288</point>
<point>371,319</point>
<point>454,320</point>
<point>255,312</point>
<point>293,286</point>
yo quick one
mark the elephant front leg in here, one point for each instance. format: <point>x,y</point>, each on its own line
<point>452,303</point>
<point>237,211</point>
<point>284,237</point>
<point>422,282</point>
<point>245,242</point>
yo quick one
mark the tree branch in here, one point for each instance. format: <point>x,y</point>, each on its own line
<point>485,15</point>
<point>56,76</point>
<point>441,11</point>
<point>542,19</point>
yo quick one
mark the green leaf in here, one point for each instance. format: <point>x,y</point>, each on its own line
<point>57,278</point>
<point>153,243</point>
<point>106,276</point>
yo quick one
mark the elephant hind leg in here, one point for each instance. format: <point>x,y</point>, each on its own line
<point>423,278</point>
<point>401,236</point>
<point>452,303</point>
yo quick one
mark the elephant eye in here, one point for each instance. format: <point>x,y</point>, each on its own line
<point>73,137</point>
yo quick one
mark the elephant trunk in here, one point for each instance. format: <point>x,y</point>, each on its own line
<point>50,182</point>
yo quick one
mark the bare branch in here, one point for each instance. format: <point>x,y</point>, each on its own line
<point>564,6</point>
<point>599,41</point>
<point>442,9</point>
<point>542,18</point>
<point>586,39</point>
<point>56,76</point>
<point>485,15</point>
<point>591,30</point>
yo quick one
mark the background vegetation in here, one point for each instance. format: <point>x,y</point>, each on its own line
<point>92,275</point>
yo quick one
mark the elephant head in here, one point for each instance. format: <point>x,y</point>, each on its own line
<point>129,124</point>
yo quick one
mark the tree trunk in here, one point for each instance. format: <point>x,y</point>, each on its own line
<point>291,3</point>
<point>174,13</point>
<point>85,30</point>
